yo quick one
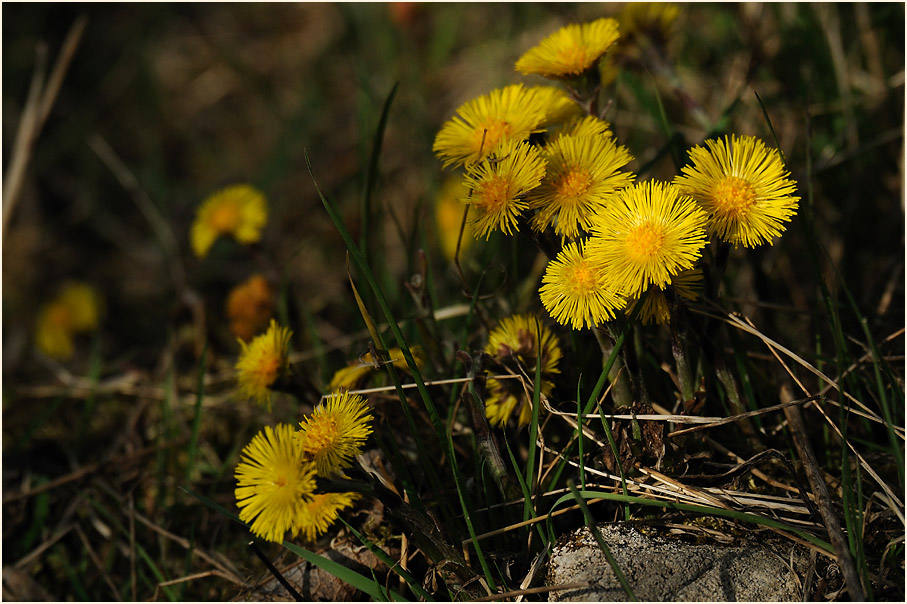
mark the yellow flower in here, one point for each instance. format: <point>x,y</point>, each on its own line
<point>499,183</point>
<point>646,235</point>
<point>656,308</point>
<point>743,186</point>
<point>650,20</point>
<point>576,292</point>
<point>558,105</point>
<point>586,126</point>
<point>249,306</point>
<point>76,309</point>
<point>354,374</point>
<point>583,173</point>
<point>321,512</point>
<point>569,51</point>
<point>336,432</point>
<point>239,210</point>
<point>514,344</point>
<point>449,216</point>
<point>513,112</point>
<point>274,482</point>
<point>262,361</point>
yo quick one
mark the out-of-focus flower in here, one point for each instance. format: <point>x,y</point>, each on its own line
<point>75,309</point>
<point>353,375</point>
<point>249,306</point>
<point>449,210</point>
<point>262,362</point>
<point>336,432</point>
<point>656,307</point>
<point>499,183</point>
<point>274,483</point>
<point>513,113</point>
<point>744,188</point>
<point>321,512</point>
<point>239,211</point>
<point>558,105</point>
<point>648,233</point>
<point>515,345</point>
<point>583,172</point>
<point>570,51</point>
<point>576,292</point>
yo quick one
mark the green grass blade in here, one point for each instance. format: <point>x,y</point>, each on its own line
<point>371,174</point>
<point>197,422</point>
<point>534,422</point>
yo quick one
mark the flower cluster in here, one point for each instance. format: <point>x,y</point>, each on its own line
<point>542,157</point>
<point>277,476</point>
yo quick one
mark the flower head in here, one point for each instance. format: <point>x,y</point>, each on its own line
<point>576,292</point>
<point>274,482</point>
<point>321,512</point>
<point>512,113</point>
<point>583,173</point>
<point>262,361</point>
<point>558,105</point>
<point>353,375</point>
<point>336,432</point>
<point>498,184</point>
<point>588,125</point>
<point>515,345</point>
<point>656,307</point>
<point>744,188</point>
<point>569,51</point>
<point>75,309</point>
<point>646,235</point>
<point>240,211</point>
<point>449,216</point>
<point>249,306</point>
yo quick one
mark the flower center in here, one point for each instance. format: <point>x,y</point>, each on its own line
<point>267,369</point>
<point>573,184</point>
<point>225,218</point>
<point>320,435</point>
<point>280,481</point>
<point>734,196</point>
<point>582,279</point>
<point>573,58</point>
<point>492,130</point>
<point>493,194</point>
<point>645,241</point>
<point>61,316</point>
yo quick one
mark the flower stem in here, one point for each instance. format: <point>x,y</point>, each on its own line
<point>620,390</point>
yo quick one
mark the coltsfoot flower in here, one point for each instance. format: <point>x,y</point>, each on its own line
<point>262,362</point>
<point>249,306</point>
<point>655,308</point>
<point>571,50</point>
<point>353,375</point>
<point>321,512</point>
<point>240,211</point>
<point>75,309</point>
<point>336,432</point>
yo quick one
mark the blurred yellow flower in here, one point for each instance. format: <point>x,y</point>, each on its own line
<point>336,432</point>
<point>647,234</point>
<point>744,188</point>
<point>513,112</point>
<point>558,105</point>
<point>249,306</point>
<point>499,183</point>
<point>75,309</point>
<point>583,173</point>
<point>449,210</point>
<point>353,375</point>
<point>262,361</point>
<point>321,512</point>
<point>515,344</point>
<point>656,308</point>
<point>571,50</point>
<point>274,483</point>
<point>239,210</point>
<point>576,292</point>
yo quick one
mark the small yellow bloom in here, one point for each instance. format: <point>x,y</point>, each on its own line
<point>656,308</point>
<point>583,173</point>
<point>274,483</point>
<point>336,432</point>
<point>576,292</point>
<point>514,345</point>
<point>249,306</point>
<point>510,113</point>
<point>744,188</point>
<point>353,375</point>
<point>646,235</point>
<point>449,216</point>
<point>570,51</point>
<point>321,512</point>
<point>499,183</point>
<point>76,309</point>
<point>240,211</point>
<point>262,361</point>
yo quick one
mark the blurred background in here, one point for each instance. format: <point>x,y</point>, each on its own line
<point>162,104</point>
